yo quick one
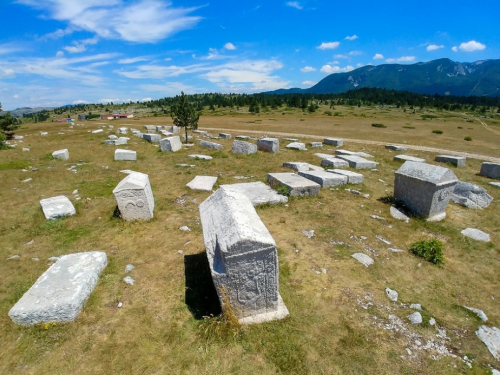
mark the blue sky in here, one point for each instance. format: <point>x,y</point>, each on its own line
<point>57,52</point>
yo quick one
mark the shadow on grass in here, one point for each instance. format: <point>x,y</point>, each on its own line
<point>201,297</point>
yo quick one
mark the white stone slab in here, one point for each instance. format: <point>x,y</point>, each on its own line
<point>358,162</point>
<point>298,166</point>
<point>61,154</point>
<point>324,178</point>
<point>199,156</point>
<point>397,148</point>
<point>149,127</point>
<point>480,313</point>
<point>204,183</point>
<point>408,158</point>
<point>212,145</point>
<point>471,195</point>
<point>345,152</point>
<point>313,167</point>
<point>134,197</point>
<point>352,177</point>
<point>242,137</point>
<point>59,293</point>
<point>316,144</point>
<point>333,141</point>
<point>457,161</point>
<point>296,185</point>
<point>258,193</point>
<point>476,234</point>
<point>324,156</point>
<point>334,162</point>
<point>398,215</point>
<point>490,336</point>
<point>225,135</point>
<point>56,207</point>
<point>152,137</point>
<point>496,184</point>
<point>268,145</point>
<point>244,148</point>
<point>171,144</point>
<point>128,155</point>
<point>297,146</point>
<point>363,259</point>
<point>97,131</point>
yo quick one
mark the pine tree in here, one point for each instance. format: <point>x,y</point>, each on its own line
<point>7,126</point>
<point>184,115</point>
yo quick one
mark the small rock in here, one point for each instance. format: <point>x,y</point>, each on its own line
<point>396,214</point>
<point>377,217</point>
<point>384,240</point>
<point>476,234</point>
<point>416,306</point>
<point>30,242</point>
<point>180,251</point>
<point>415,318</point>
<point>395,250</point>
<point>35,259</point>
<point>481,315</point>
<point>53,259</point>
<point>432,321</point>
<point>75,192</point>
<point>120,304</point>
<point>308,233</point>
<point>129,280</point>
<point>391,294</point>
<point>27,180</point>
<point>185,228</point>
<point>363,259</point>
<point>129,267</point>
<point>14,257</point>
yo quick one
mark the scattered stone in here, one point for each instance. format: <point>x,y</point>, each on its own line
<point>470,195</point>
<point>480,314</point>
<point>395,250</point>
<point>497,184</point>
<point>308,233</point>
<point>315,144</point>
<point>408,158</point>
<point>298,166</point>
<point>363,259</point>
<point>26,149</point>
<point>151,137</point>
<point>97,131</point>
<point>225,135</point>
<point>149,127</point>
<point>490,336</point>
<point>166,133</point>
<point>257,192</point>
<point>30,242</point>
<point>27,180</point>
<point>313,167</point>
<point>324,156</point>
<point>297,146</point>
<point>59,293</point>
<point>129,267</point>
<point>364,154</point>
<point>129,155</point>
<point>129,280</point>
<point>491,170</point>
<point>35,259</point>
<point>212,145</point>
<point>398,215</point>
<point>180,251</point>
<point>377,217</point>
<point>204,183</point>
<point>324,178</point>
<point>358,162</point>
<point>244,148</point>
<point>56,207</point>
<point>120,304</point>
<point>424,189</point>
<point>112,137</point>
<point>291,139</point>
<point>171,144</point>
<point>14,257</point>
<point>384,240</point>
<point>415,318</point>
<point>334,162</point>
<point>134,197</point>
<point>268,145</point>
<point>199,156</point>
<point>457,161</point>
<point>333,141</point>
<point>476,234</point>
<point>416,306</point>
<point>44,133</point>
<point>185,228</point>
<point>53,259</point>
<point>392,294</point>
<point>61,154</point>
<point>242,137</point>
<point>352,177</point>
<point>432,321</point>
<point>397,148</point>
<point>296,185</point>
<point>173,129</point>
<point>346,152</point>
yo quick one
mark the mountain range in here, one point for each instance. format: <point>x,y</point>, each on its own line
<point>442,76</point>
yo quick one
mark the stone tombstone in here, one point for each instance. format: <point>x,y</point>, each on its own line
<point>491,170</point>
<point>268,144</point>
<point>150,137</point>
<point>457,161</point>
<point>424,189</point>
<point>128,155</point>
<point>171,144</point>
<point>225,135</point>
<point>297,146</point>
<point>212,145</point>
<point>59,293</point>
<point>61,154</point>
<point>408,158</point>
<point>242,256</point>
<point>134,197</point>
<point>470,195</point>
<point>333,141</point>
<point>56,207</point>
<point>173,129</point>
<point>244,148</point>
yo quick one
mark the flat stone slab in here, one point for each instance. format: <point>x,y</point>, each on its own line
<point>56,207</point>
<point>363,259</point>
<point>149,127</point>
<point>59,293</point>
<point>397,148</point>
<point>204,183</point>
<point>333,141</point>
<point>268,145</point>
<point>297,146</point>
<point>324,156</point>
<point>212,145</point>
<point>225,135</point>
<point>61,154</point>
<point>243,137</point>
<point>345,152</point>
<point>408,158</point>
<point>298,166</point>
<point>297,186</point>
<point>243,148</point>
<point>324,178</point>
<point>476,234</point>
<point>358,162</point>
<point>315,144</point>
<point>457,161</point>
<point>291,139</point>
<point>125,155</point>
<point>352,177</point>
<point>257,192</point>
<point>398,215</point>
<point>97,131</point>
<point>490,336</point>
<point>496,184</point>
<point>470,195</point>
<point>491,170</point>
<point>313,167</point>
<point>152,137</point>
<point>334,162</point>
<point>199,156</point>
<point>480,313</point>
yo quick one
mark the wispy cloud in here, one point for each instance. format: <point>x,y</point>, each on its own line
<point>329,69</point>
<point>133,60</point>
<point>401,59</point>
<point>6,49</point>
<point>433,47</point>
<point>355,53</point>
<point>294,4</point>
<point>309,83</point>
<point>307,69</point>
<point>378,56</point>
<point>469,46</point>
<point>340,56</point>
<point>353,37</point>
<point>328,45</point>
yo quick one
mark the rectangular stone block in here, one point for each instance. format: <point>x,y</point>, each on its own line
<point>244,148</point>
<point>128,155</point>
<point>204,183</point>
<point>242,256</point>
<point>297,146</point>
<point>334,162</point>
<point>242,137</point>
<point>59,293</point>
<point>150,137</point>
<point>296,166</point>
<point>212,145</point>
<point>56,207</point>
<point>352,177</point>
<point>258,192</point>
<point>97,131</point>
<point>171,144</point>
<point>225,135</point>
<point>397,148</point>
<point>61,154</point>
<point>457,161</point>
<point>315,144</point>
<point>358,162</point>
<point>324,178</point>
<point>134,197</point>
<point>491,170</point>
<point>159,128</point>
<point>333,141</point>
<point>408,158</point>
<point>345,152</point>
<point>297,186</point>
<point>173,129</point>
<point>268,145</point>
<point>166,133</point>
<point>149,127</point>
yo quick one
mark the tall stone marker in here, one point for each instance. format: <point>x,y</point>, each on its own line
<point>424,189</point>
<point>268,144</point>
<point>134,197</point>
<point>58,295</point>
<point>491,170</point>
<point>171,144</point>
<point>61,154</point>
<point>242,257</point>
<point>56,207</point>
<point>244,148</point>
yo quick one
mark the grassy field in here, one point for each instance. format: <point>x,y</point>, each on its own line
<point>340,320</point>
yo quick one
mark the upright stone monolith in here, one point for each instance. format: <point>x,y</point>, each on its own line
<point>134,197</point>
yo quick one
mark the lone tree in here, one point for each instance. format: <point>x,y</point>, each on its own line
<point>7,126</point>
<point>184,115</point>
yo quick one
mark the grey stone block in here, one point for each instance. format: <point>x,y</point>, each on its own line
<point>170,144</point>
<point>149,127</point>
<point>244,148</point>
<point>268,144</point>
<point>491,170</point>
<point>324,156</point>
<point>352,177</point>
<point>258,193</point>
<point>125,155</point>
<point>56,207</point>
<point>315,144</point>
<point>296,166</point>
<point>324,178</point>
<point>150,137</point>
<point>225,135</point>
<point>204,183</point>
<point>408,158</point>
<point>173,129</point>
<point>61,154</point>
<point>296,185</point>
<point>457,161</point>
<point>134,197</point>
<point>159,128</point>
<point>297,146</point>
<point>345,152</point>
<point>476,234</point>
<point>59,293</point>
<point>242,137</point>
<point>333,141</point>
<point>334,162</point>
<point>397,148</point>
<point>358,162</point>
<point>200,156</point>
<point>212,145</point>
<point>470,195</point>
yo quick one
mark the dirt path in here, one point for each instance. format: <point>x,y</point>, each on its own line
<point>487,127</point>
<point>410,147</point>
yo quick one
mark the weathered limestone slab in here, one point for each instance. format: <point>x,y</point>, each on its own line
<point>291,139</point>
<point>56,207</point>
<point>313,167</point>
<point>139,135</point>
<point>334,162</point>
<point>204,183</point>
<point>166,133</point>
<point>200,156</point>
<point>364,154</point>
<point>298,166</point>
<point>225,135</point>
<point>97,131</point>
<point>159,128</point>
<point>112,136</point>
<point>297,146</point>
<point>491,170</point>
<point>212,145</point>
<point>358,162</point>
<point>345,152</point>
<point>122,130</point>
<point>258,192</point>
<point>397,148</point>
<point>242,256</point>
<point>125,155</point>
<point>59,293</point>
<point>61,154</point>
<point>324,178</point>
<point>242,137</point>
<point>297,186</point>
<point>152,137</point>
<point>476,234</point>
<point>268,144</point>
<point>173,129</point>
<point>149,127</point>
<point>398,215</point>
<point>352,177</point>
<point>244,148</point>
<point>324,156</point>
<point>408,158</point>
<point>480,313</point>
<point>134,197</point>
<point>363,259</point>
<point>116,141</point>
<point>470,195</point>
<point>496,184</point>
<point>333,141</point>
<point>457,161</point>
<point>424,189</point>
<point>170,144</point>
<point>490,336</point>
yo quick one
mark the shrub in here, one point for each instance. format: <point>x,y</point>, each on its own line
<point>431,250</point>
<point>425,117</point>
<point>379,125</point>
<point>437,131</point>
<point>468,138</point>
<point>408,127</point>
<point>329,113</point>
<point>283,190</point>
<point>460,127</point>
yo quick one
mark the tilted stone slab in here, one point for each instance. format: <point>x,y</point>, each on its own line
<point>225,135</point>
<point>297,146</point>
<point>61,154</point>
<point>125,155</point>
<point>56,207</point>
<point>170,144</point>
<point>345,152</point>
<point>397,148</point>
<point>134,197</point>
<point>243,148</point>
<point>490,336</point>
<point>470,195</point>
<point>313,167</point>
<point>408,158</point>
<point>166,133</point>
<point>258,192</point>
<point>334,162</point>
<point>153,138</point>
<point>358,162</point>
<point>324,178</point>
<point>159,128</point>
<point>424,189</point>
<point>297,186</point>
<point>212,145</point>
<point>122,130</point>
<point>333,141</point>
<point>204,183</point>
<point>298,166</point>
<point>60,292</point>
<point>496,184</point>
<point>352,177</point>
<point>291,139</point>
<point>491,170</point>
<point>200,156</point>
<point>116,142</point>
<point>324,156</point>
<point>457,161</point>
<point>242,256</point>
<point>268,144</point>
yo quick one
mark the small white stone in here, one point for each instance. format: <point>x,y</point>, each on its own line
<point>180,251</point>
<point>416,306</point>
<point>432,321</point>
<point>185,228</point>
<point>129,280</point>
<point>14,257</point>
<point>308,233</point>
<point>415,318</point>
<point>120,304</point>
<point>391,294</point>
<point>129,267</point>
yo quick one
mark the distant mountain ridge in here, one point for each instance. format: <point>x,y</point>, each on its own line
<point>442,76</point>
<point>19,112</point>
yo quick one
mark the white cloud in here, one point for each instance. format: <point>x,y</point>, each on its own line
<point>229,46</point>
<point>77,48</point>
<point>334,62</point>
<point>471,46</point>
<point>433,47</point>
<point>340,56</point>
<point>132,60</point>
<point>76,102</point>
<point>167,59</point>
<point>454,49</point>
<point>355,53</point>
<point>59,54</point>
<point>294,4</point>
<point>170,88</point>
<point>329,69</point>
<point>307,69</point>
<point>353,37</point>
<point>328,45</point>
<point>378,56</point>
<point>146,99</point>
<point>7,73</point>
<point>401,59</point>
<point>308,83</point>
<point>6,49</point>
<point>109,100</point>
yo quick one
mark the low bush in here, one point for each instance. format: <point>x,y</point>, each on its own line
<point>468,138</point>
<point>375,125</point>
<point>430,250</point>
<point>408,127</point>
<point>437,131</point>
